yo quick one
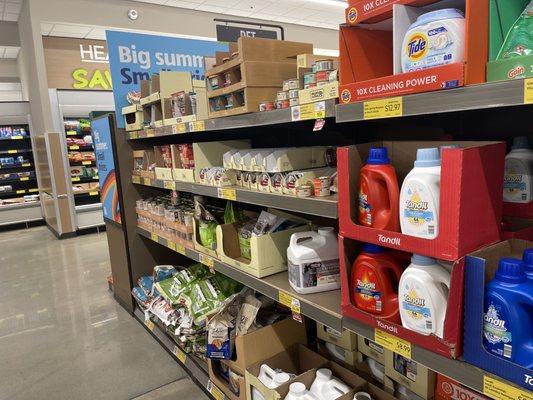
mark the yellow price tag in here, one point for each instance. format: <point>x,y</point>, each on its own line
<point>289,301</point>
<point>503,391</point>
<point>21,191</point>
<point>93,193</point>
<point>134,135</point>
<point>215,391</point>
<point>149,324</point>
<point>74,147</point>
<point>180,354</point>
<point>71,133</point>
<point>136,179</point>
<point>150,133</point>
<point>25,178</point>
<point>228,194</point>
<point>199,126</point>
<point>309,111</point>
<point>147,181</point>
<point>171,245</point>
<point>383,108</point>
<point>16,137</point>
<point>154,237</point>
<point>25,164</point>
<point>12,152</point>
<point>75,179</point>
<point>33,190</point>
<point>86,162</point>
<point>181,249</point>
<point>169,185</point>
<point>528,91</point>
<point>207,261</point>
<point>391,342</point>
<point>181,128</point>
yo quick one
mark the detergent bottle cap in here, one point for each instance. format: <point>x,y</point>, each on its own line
<point>427,157</point>
<point>527,259</point>
<point>378,156</point>
<point>297,388</point>
<point>418,259</point>
<point>511,270</point>
<point>372,248</point>
<point>521,142</point>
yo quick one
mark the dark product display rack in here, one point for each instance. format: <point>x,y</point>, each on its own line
<point>463,108</point>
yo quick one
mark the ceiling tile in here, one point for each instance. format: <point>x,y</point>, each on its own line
<point>301,13</point>
<point>279,8</point>
<point>13,8</point>
<point>238,13</point>
<point>183,4</point>
<point>10,17</point>
<point>252,5</point>
<point>208,8</point>
<point>79,29</point>
<point>221,3</point>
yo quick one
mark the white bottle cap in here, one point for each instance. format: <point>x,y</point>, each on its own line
<point>297,388</point>
<point>323,374</point>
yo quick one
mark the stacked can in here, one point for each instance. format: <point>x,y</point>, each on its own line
<point>324,72</point>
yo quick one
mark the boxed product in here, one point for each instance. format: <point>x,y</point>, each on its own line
<point>375,62</point>
<point>292,180</point>
<point>345,339</point>
<point>472,171</point>
<point>183,162</point>
<point>412,375</point>
<point>448,389</point>
<point>371,349</point>
<point>144,163</point>
<point>346,358</point>
<point>133,117</point>
<point>490,331</point>
<point>163,162</point>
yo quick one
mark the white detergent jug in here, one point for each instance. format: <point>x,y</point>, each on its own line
<point>271,379</point>
<point>518,178</point>
<point>362,396</point>
<point>297,391</point>
<point>423,296</point>
<point>419,196</point>
<point>313,261</point>
<point>377,369</point>
<point>326,387</point>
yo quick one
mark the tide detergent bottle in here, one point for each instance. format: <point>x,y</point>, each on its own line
<point>374,283</point>
<point>518,178</point>
<point>508,314</point>
<point>378,192</point>
<point>420,196</point>
<point>423,293</point>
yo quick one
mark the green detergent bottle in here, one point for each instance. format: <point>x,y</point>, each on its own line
<point>519,39</point>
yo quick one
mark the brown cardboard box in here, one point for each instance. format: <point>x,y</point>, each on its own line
<point>371,349</point>
<point>346,358</point>
<point>363,368</point>
<point>412,375</point>
<point>374,392</point>
<point>345,339</point>
<point>163,162</point>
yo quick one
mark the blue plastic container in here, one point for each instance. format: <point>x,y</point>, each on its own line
<point>527,259</point>
<point>508,314</point>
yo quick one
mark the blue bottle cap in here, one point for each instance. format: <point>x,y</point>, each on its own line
<point>418,259</point>
<point>511,270</point>
<point>378,156</point>
<point>372,248</point>
<point>527,259</point>
<point>427,157</point>
<point>521,142</point>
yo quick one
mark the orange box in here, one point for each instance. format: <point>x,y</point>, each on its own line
<point>448,389</point>
<point>367,55</point>
<point>371,11</point>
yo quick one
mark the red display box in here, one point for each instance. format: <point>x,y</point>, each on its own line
<point>517,228</point>
<point>471,188</point>
<point>521,210</point>
<point>449,346</point>
<point>371,11</point>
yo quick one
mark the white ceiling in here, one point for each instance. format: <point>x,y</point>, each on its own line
<point>9,52</point>
<point>71,30</point>
<point>10,10</point>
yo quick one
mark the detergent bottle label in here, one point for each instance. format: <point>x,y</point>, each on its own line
<point>368,292</point>
<point>516,182</point>
<point>418,211</point>
<point>498,338</point>
<point>314,274</point>
<point>365,210</point>
<point>415,305</point>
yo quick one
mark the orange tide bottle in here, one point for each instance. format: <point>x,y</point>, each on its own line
<point>379,194</point>
<point>374,283</point>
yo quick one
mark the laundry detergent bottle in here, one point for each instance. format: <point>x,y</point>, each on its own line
<point>420,195</point>
<point>271,379</point>
<point>378,192</point>
<point>527,259</point>
<point>508,314</point>
<point>374,283</point>
<point>518,178</point>
<point>326,387</point>
<point>298,391</point>
<point>423,295</point>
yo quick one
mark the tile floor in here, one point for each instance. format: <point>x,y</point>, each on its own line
<point>63,336</point>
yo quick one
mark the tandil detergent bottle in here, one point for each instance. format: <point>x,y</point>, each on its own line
<point>518,178</point>
<point>527,259</point>
<point>379,192</point>
<point>374,283</point>
<point>420,195</point>
<point>508,314</point>
<point>423,296</point>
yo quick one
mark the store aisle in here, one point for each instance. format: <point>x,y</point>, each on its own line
<point>63,336</point>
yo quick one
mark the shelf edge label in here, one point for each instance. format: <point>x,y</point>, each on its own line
<point>528,91</point>
<point>227,194</point>
<point>180,354</point>
<point>392,343</point>
<point>169,185</point>
<point>207,261</point>
<point>383,108</point>
<point>502,391</point>
<point>215,391</point>
<point>154,237</point>
<point>136,179</point>
<point>149,324</point>
<point>289,301</point>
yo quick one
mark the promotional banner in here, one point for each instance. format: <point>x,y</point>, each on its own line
<point>103,148</point>
<point>134,56</point>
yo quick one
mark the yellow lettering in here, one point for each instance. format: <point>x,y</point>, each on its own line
<point>79,76</point>
<point>108,77</point>
<point>98,80</point>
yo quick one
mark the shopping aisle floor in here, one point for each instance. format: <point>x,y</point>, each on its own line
<point>63,336</point>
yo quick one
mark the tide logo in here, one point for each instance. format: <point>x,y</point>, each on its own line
<point>346,96</point>
<point>352,15</point>
<point>417,46</point>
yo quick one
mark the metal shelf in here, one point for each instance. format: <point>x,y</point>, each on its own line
<point>323,207</point>
<point>15,166</point>
<point>14,151</point>
<point>81,179</point>
<point>232,122</point>
<point>20,192</point>
<point>85,163</point>
<point>475,97</point>
<point>15,137</point>
<point>322,307</point>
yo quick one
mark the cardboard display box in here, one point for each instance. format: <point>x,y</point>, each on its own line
<point>345,339</point>
<point>481,267</point>
<point>346,358</point>
<point>369,56</point>
<point>474,171</point>
<point>520,210</point>
<point>517,228</point>
<point>133,117</point>
<point>448,389</point>
<point>412,375</point>
<point>163,162</point>
<point>449,346</point>
<point>371,349</point>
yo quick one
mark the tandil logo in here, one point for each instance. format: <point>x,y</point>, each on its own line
<point>492,318</point>
<point>366,285</point>
<point>411,298</point>
<point>417,46</point>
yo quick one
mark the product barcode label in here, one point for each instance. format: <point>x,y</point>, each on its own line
<point>507,350</point>
<point>429,325</point>
<point>524,196</point>
<point>431,229</point>
<point>378,305</point>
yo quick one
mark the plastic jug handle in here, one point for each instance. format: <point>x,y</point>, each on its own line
<point>392,189</point>
<point>268,371</point>
<point>301,235</point>
<point>339,387</point>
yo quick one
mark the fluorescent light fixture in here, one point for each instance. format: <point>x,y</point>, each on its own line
<point>338,3</point>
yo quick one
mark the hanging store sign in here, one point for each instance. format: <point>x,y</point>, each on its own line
<point>227,33</point>
<point>79,64</point>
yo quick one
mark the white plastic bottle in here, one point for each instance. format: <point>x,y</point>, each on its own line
<point>271,379</point>
<point>419,196</point>
<point>423,296</point>
<point>297,391</point>
<point>518,178</point>
<point>313,261</point>
<point>326,387</point>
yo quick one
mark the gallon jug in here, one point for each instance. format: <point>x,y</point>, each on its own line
<point>517,181</point>
<point>527,259</point>
<point>419,197</point>
<point>374,283</point>
<point>313,261</point>
<point>271,379</point>
<point>297,391</point>
<point>376,369</point>
<point>379,192</point>
<point>435,38</point>
<point>362,396</point>
<point>423,294</point>
<point>508,314</point>
<point>326,387</point>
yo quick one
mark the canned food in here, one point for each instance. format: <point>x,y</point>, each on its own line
<point>322,76</point>
<point>266,106</point>
<point>291,84</point>
<point>309,78</point>
<point>282,95</point>
<point>310,85</point>
<point>293,93</point>
<point>285,104</point>
<point>304,191</point>
<point>321,185</point>
<point>294,102</point>
<point>323,65</point>
<point>285,86</point>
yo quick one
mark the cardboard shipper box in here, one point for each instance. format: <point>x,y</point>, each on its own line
<point>143,160</point>
<point>412,375</point>
<point>345,339</point>
<point>371,349</point>
<point>133,117</point>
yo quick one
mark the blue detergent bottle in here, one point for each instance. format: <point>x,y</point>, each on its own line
<point>527,259</point>
<point>508,314</point>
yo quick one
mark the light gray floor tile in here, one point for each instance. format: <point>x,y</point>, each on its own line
<point>184,389</point>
